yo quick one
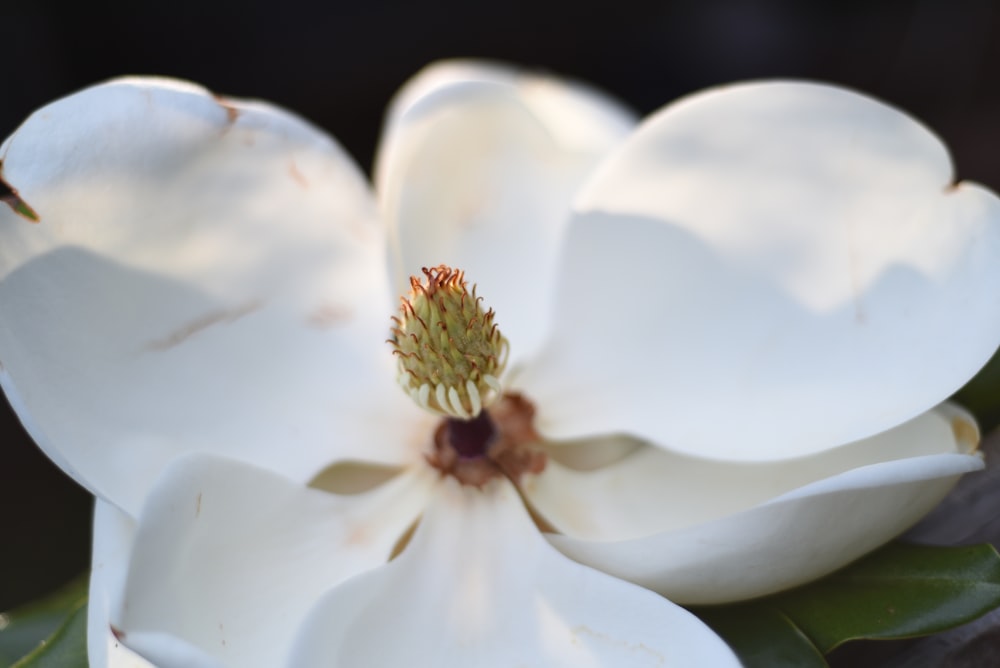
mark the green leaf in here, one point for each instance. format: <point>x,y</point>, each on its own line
<point>762,636</point>
<point>66,648</point>
<point>24,629</point>
<point>899,591</point>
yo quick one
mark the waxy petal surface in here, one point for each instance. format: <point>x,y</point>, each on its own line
<point>580,117</point>
<point>114,532</point>
<point>653,490</point>
<point>205,275</point>
<point>228,558</point>
<point>477,171</point>
<point>704,555</point>
<point>791,256</point>
<point>479,586</point>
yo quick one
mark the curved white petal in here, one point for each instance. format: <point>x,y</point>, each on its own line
<point>205,275</point>
<point>477,170</point>
<point>172,652</point>
<point>789,256</point>
<point>653,490</point>
<point>478,586</point>
<point>229,558</point>
<point>578,115</point>
<point>703,555</point>
<point>113,535</point>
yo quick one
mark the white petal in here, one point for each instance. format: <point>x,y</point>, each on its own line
<point>477,171</point>
<point>113,535</point>
<point>578,115</point>
<point>206,275</point>
<point>712,550</point>
<point>653,490</point>
<point>478,586</point>
<point>768,270</point>
<point>172,652</point>
<point>229,558</point>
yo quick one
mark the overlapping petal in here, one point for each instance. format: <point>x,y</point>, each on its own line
<point>768,270</point>
<point>652,490</point>
<point>477,170</point>
<point>478,586</point>
<point>204,275</point>
<point>721,543</point>
<point>114,532</point>
<point>228,558</point>
<point>580,117</point>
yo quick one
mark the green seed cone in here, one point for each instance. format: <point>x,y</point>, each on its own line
<point>450,352</point>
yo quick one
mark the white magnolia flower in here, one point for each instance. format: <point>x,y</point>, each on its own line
<point>734,322</point>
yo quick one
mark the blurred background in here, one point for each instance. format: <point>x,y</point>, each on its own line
<point>338,65</point>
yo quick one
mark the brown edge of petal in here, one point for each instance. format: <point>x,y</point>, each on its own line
<point>10,197</point>
<point>232,113</point>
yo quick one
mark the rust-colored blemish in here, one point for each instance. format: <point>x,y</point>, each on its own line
<point>197,325</point>
<point>10,197</point>
<point>358,536</point>
<point>117,633</point>
<point>232,113</point>
<point>297,175</point>
<point>329,315</point>
<point>197,505</point>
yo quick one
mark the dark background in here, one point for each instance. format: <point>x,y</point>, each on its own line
<point>338,66</point>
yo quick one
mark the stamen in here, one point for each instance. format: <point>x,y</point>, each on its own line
<point>492,382</point>
<point>477,404</point>
<point>456,403</point>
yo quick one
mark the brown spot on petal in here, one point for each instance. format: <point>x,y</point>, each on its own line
<point>183,333</point>
<point>117,633</point>
<point>10,197</point>
<point>297,176</point>
<point>232,113</point>
<point>358,535</point>
<point>197,505</point>
<point>329,315</point>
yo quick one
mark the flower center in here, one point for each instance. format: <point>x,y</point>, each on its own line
<point>500,441</point>
<point>450,352</point>
<point>450,357</point>
<point>470,439</point>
